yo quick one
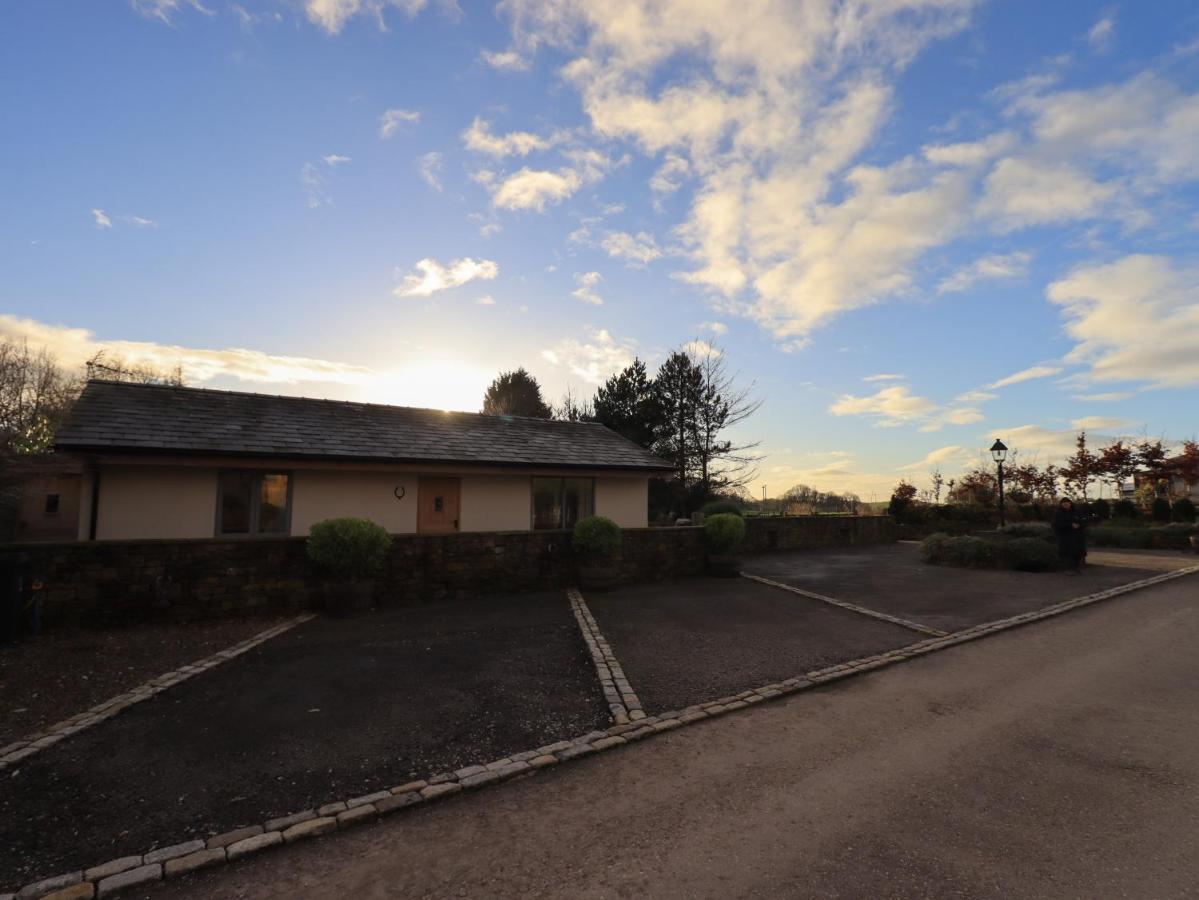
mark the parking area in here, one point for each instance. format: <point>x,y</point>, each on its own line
<point>894,580</point>
<point>690,640</point>
<point>329,710</point>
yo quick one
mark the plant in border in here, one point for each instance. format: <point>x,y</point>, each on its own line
<point>723,535</point>
<point>351,552</point>
<point>596,542</point>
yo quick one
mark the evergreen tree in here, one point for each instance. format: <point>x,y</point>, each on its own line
<point>627,403</point>
<point>516,394</point>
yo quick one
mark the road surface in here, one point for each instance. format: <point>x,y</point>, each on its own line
<point>1058,760</point>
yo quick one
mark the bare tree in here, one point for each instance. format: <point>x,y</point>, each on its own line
<point>104,367</point>
<point>35,395</point>
<point>721,404</point>
<point>571,409</point>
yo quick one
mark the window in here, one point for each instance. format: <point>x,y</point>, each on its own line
<point>561,502</point>
<point>52,504</point>
<point>253,503</point>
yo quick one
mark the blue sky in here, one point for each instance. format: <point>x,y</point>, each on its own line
<point>915,225</point>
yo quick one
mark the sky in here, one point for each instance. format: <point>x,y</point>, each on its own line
<point>914,225</point>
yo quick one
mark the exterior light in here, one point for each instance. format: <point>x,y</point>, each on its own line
<point>999,454</point>
<point>998,451</point>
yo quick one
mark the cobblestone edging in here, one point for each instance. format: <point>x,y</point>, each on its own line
<point>874,614</point>
<point>622,699</point>
<point>179,859</point>
<point>22,749</point>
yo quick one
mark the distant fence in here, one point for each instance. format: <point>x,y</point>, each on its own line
<point>101,581</point>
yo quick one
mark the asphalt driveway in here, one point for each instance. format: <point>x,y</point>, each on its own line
<point>689,640</point>
<point>330,710</point>
<point>896,581</point>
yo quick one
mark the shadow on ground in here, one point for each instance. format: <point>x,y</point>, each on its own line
<point>330,710</point>
<point>895,580</point>
<point>689,640</point>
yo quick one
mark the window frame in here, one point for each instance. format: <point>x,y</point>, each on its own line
<point>255,504</point>
<point>56,496</point>
<point>561,479</point>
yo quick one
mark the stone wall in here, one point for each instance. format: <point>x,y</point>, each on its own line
<point>132,580</point>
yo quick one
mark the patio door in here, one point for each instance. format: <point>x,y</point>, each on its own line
<point>437,505</point>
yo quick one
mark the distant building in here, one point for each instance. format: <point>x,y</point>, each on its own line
<point>44,498</point>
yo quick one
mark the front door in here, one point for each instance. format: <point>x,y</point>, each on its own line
<point>437,505</point>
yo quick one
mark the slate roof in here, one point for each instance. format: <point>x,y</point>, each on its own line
<point>111,416</point>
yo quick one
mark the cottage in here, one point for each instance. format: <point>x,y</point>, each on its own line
<point>178,462</point>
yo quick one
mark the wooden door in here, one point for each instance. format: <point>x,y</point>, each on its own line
<point>437,505</point>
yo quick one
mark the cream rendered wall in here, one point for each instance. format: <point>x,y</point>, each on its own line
<point>139,502</point>
<point>623,500</point>
<point>496,503</point>
<point>326,494</point>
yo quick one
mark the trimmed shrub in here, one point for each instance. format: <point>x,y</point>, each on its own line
<point>1120,536</point>
<point>719,507</point>
<point>1040,530</point>
<point>1101,510</point>
<point>1125,509</point>
<point>1028,554</point>
<point>349,548</point>
<point>596,538</point>
<point>932,548</point>
<point>1183,510</point>
<point>1175,536</point>
<point>724,532</point>
<point>1160,510</point>
<point>972,552</point>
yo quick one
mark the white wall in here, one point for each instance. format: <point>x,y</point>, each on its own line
<point>497,503</point>
<point>325,494</point>
<point>623,500</point>
<point>153,502</point>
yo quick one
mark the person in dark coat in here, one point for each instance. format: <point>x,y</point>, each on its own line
<point>1070,530</point>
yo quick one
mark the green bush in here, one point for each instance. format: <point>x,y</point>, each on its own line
<point>1125,509</point>
<point>596,539</point>
<point>1183,510</point>
<point>1175,536</point>
<point>1160,509</point>
<point>1028,554</point>
<point>349,548</point>
<point>972,552</point>
<point>724,532</point>
<point>1120,536</point>
<point>719,507</point>
<point>1101,509</point>
<point>1040,530</point>
<point>932,548</point>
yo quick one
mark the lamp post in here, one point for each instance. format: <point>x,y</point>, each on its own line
<point>999,454</point>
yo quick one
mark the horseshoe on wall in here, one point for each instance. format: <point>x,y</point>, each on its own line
<point>400,492</point>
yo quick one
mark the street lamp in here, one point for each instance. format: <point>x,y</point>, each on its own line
<point>999,454</point>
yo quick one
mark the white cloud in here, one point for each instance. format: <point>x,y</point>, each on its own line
<point>1104,396</point>
<point>486,300</point>
<point>639,249</point>
<point>333,160</point>
<point>315,186</point>
<point>140,221</point>
<point>939,457</point>
<point>533,189</point>
<point>585,291</point>
<point>1025,375</point>
<point>714,327</point>
<point>669,176</point>
<point>163,10</point>
<point>393,119</point>
<point>72,347</point>
<point>1102,33</point>
<point>480,139</point>
<point>1097,423</point>
<point>1021,192</point>
<point>992,266</point>
<point>1136,319</point>
<point>890,406</point>
<point>506,60</point>
<point>332,15</point>
<point>430,166</point>
<point>884,376</point>
<point>434,277</point>
<point>101,219</point>
<point>592,360</point>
